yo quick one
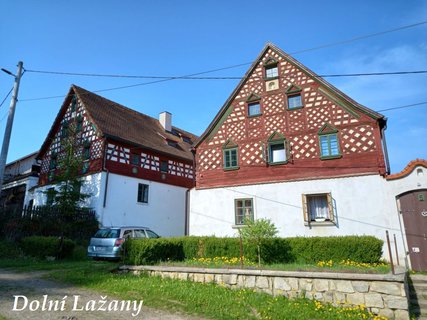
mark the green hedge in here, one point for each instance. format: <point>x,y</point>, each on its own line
<point>42,247</point>
<point>277,250</point>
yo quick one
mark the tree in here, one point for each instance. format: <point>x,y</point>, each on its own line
<point>68,198</point>
<point>257,232</point>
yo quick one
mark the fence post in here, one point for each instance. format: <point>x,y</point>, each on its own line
<point>395,248</point>
<point>389,252</point>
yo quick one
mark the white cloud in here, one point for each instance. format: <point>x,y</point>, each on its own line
<point>384,91</point>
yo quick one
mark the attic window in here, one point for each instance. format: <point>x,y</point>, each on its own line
<point>79,125</point>
<point>53,161</point>
<point>186,139</point>
<point>172,143</point>
<point>254,105</point>
<point>73,104</point>
<point>294,97</point>
<point>64,130</point>
<point>271,69</point>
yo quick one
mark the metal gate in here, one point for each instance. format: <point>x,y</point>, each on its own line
<point>413,206</point>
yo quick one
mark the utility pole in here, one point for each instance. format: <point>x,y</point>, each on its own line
<point>9,124</point>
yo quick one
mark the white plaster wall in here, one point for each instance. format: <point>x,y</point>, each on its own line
<point>364,206</point>
<point>92,184</point>
<point>164,213</point>
<point>417,179</point>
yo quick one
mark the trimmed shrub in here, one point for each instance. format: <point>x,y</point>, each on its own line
<point>149,251</point>
<point>42,247</point>
<point>310,250</point>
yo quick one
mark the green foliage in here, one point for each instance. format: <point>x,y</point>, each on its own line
<point>200,299</point>
<point>256,232</point>
<point>41,247</point>
<point>149,251</point>
<point>365,249</point>
<point>9,250</point>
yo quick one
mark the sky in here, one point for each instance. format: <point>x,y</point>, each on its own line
<point>176,38</point>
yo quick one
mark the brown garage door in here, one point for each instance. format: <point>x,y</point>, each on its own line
<point>413,206</point>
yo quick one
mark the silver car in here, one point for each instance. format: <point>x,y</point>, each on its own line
<point>107,242</point>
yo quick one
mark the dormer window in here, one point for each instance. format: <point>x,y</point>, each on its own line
<point>172,143</point>
<point>254,105</point>
<point>271,69</point>
<point>294,97</point>
<point>186,139</point>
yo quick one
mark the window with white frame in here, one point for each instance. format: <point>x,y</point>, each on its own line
<point>243,210</point>
<point>271,71</point>
<point>318,207</point>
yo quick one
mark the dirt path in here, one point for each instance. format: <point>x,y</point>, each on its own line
<point>33,287</point>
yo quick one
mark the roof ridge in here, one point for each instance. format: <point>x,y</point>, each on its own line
<point>87,92</point>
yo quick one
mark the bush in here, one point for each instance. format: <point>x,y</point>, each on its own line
<point>149,251</point>
<point>9,250</point>
<point>365,249</point>
<point>42,247</point>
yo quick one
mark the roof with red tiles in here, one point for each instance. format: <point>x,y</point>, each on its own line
<point>408,169</point>
<point>121,123</point>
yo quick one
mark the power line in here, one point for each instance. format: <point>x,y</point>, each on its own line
<point>219,78</point>
<point>247,63</point>
<point>402,107</point>
<point>6,97</point>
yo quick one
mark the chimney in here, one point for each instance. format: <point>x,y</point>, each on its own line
<point>165,119</point>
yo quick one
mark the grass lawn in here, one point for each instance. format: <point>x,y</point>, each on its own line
<point>208,300</point>
<point>327,266</point>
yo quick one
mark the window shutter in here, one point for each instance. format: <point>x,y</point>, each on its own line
<point>331,207</point>
<point>305,209</point>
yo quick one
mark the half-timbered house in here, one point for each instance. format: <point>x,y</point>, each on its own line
<point>137,169</point>
<point>289,146</point>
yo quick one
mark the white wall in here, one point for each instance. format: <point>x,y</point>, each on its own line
<point>164,213</point>
<point>92,184</point>
<point>364,206</point>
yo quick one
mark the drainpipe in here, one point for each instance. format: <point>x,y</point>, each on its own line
<point>106,180</point>
<point>187,212</point>
<point>384,142</point>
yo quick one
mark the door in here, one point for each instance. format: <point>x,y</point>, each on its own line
<point>413,206</point>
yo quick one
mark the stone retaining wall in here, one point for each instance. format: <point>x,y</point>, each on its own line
<point>382,294</point>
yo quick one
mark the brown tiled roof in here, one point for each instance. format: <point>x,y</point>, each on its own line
<point>408,169</point>
<point>126,125</point>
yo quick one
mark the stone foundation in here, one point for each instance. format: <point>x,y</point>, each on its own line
<point>382,294</point>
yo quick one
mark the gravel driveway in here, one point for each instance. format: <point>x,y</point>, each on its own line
<point>33,287</point>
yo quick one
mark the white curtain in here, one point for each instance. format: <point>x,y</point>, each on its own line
<point>318,206</point>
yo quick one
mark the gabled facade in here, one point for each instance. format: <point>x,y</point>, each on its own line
<point>289,146</point>
<point>136,168</point>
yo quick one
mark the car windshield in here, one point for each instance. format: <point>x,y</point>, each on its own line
<point>107,233</point>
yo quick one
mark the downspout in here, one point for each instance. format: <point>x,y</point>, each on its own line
<point>384,143</point>
<point>104,168</point>
<point>187,196</point>
<point>187,212</point>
